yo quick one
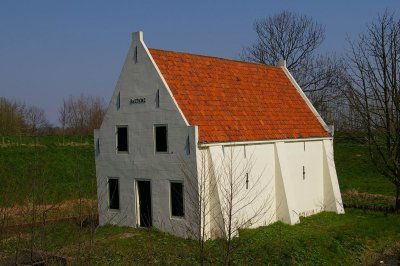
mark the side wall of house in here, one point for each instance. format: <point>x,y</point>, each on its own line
<point>273,181</point>
<point>140,101</point>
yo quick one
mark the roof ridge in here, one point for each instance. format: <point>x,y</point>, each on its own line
<point>215,57</point>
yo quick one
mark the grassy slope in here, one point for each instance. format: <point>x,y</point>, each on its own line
<point>50,171</point>
<point>59,171</point>
<point>324,239</point>
<point>355,170</point>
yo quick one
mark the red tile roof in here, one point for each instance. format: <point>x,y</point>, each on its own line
<point>236,101</point>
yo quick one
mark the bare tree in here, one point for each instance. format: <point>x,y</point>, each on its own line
<point>197,184</point>
<point>11,117</point>
<point>243,197</point>
<point>296,38</point>
<point>227,194</point>
<point>81,114</point>
<point>287,36</point>
<point>35,119</point>
<point>373,89</point>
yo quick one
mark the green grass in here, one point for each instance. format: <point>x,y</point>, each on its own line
<point>60,172</point>
<point>354,238</point>
<point>356,172</point>
<point>45,170</point>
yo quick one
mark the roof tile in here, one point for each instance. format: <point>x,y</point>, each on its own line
<point>236,101</point>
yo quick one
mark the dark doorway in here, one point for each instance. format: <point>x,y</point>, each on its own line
<point>144,195</point>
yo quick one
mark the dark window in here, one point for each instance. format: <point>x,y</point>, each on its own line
<point>122,139</point>
<point>161,138</point>
<point>113,192</point>
<point>177,199</point>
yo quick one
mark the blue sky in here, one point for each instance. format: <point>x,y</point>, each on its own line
<point>50,49</point>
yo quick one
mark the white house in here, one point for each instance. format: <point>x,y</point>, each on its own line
<point>175,121</point>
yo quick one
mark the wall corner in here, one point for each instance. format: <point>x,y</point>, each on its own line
<point>332,197</point>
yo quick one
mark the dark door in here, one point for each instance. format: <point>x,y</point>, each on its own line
<point>144,203</point>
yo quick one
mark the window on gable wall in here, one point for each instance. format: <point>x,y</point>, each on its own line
<point>158,99</point>
<point>187,146</point>
<point>135,55</point>
<point>161,138</point>
<point>97,146</point>
<point>177,208</point>
<point>118,104</point>
<point>122,139</point>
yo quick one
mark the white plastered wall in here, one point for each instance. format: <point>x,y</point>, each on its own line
<point>228,165</point>
<point>141,79</point>
<point>289,192</point>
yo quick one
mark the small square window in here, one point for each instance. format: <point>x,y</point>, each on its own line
<point>113,193</point>
<point>161,138</point>
<point>177,209</point>
<point>122,139</point>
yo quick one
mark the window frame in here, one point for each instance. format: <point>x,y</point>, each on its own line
<point>171,202</point>
<point>127,139</point>
<point>109,195</point>
<point>155,138</point>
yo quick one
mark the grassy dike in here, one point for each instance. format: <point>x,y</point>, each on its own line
<point>46,169</point>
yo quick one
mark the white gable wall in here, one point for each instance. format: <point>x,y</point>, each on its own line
<point>141,79</point>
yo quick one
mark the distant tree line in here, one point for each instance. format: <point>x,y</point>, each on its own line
<point>80,115</point>
<point>77,115</point>
<point>18,118</point>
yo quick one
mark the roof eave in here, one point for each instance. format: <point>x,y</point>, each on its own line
<point>257,142</point>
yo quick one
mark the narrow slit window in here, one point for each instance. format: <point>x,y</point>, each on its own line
<point>247,180</point>
<point>118,104</point>
<point>304,172</point>
<point>113,192</point>
<point>177,208</point>
<point>122,139</point>
<point>135,55</point>
<point>187,145</point>
<point>161,138</point>
<point>97,146</point>
<point>158,99</point>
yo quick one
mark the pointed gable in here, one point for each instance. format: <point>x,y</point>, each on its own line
<point>236,101</point>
